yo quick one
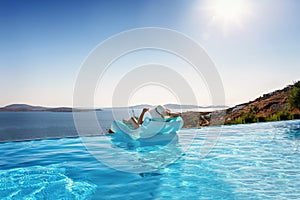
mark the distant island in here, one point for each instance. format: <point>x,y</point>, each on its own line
<point>30,108</point>
<point>175,106</point>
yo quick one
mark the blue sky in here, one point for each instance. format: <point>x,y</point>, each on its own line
<point>43,43</point>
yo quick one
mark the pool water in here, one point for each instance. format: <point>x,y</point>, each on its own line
<point>255,161</point>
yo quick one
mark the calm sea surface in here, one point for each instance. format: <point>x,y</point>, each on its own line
<point>18,126</point>
<point>255,161</point>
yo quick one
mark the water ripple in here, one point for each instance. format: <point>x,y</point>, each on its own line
<point>256,161</point>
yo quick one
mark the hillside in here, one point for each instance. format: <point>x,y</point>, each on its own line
<point>266,105</point>
<point>269,107</point>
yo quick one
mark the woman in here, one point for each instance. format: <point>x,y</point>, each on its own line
<point>158,112</point>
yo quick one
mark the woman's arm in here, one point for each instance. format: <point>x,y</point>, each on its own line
<point>142,115</point>
<point>174,114</point>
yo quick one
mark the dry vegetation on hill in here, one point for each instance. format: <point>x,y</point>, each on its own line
<point>281,104</point>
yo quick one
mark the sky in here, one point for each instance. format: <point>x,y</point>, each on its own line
<point>255,46</point>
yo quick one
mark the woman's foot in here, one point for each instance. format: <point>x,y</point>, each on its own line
<point>110,131</point>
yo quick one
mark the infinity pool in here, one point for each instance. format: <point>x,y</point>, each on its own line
<point>256,161</point>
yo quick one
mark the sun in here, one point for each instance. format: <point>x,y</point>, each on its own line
<point>228,12</point>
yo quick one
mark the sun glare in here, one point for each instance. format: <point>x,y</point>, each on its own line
<point>228,12</point>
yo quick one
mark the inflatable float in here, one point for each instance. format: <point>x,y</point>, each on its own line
<point>151,131</point>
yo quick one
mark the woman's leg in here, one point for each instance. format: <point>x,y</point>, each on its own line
<point>134,122</point>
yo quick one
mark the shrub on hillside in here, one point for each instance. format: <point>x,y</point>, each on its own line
<point>261,119</point>
<point>281,115</point>
<point>296,116</point>
<point>294,97</point>
<point>284,115</point>
<point>249,118</point>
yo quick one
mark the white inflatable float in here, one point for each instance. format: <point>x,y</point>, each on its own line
<point>155,129</point>
<point>151,127</point>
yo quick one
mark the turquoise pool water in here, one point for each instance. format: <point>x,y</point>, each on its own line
<point>255,161</point>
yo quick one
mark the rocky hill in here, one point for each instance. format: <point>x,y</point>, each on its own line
<point>269,107</point>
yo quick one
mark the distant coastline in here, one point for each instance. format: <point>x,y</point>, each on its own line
<point>30,108</point>
<point>273,106</point>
